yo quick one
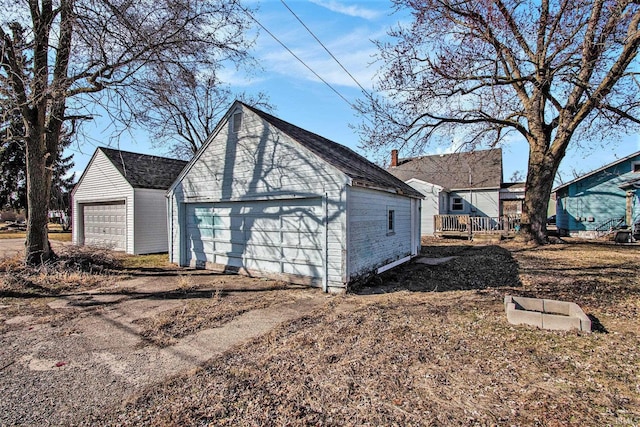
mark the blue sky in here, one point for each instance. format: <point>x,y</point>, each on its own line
<point>347,28</point>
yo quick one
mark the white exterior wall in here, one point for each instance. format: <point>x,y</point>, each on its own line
<point>370,245</point>
<point>430,204</point>
<point>101,182</point>
<point>477,202</point>
<point>150,221</point>
<point>261,163</point>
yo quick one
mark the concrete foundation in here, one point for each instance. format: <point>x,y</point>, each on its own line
<point>546,314</point>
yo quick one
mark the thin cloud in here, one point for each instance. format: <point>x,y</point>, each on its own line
<point>355,56</point>
<point>349,10</point>
<point>354,49</point>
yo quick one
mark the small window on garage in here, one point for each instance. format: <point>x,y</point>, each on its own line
<point>635,167</point>
<point>457,204</point>
<point>236,121</point>
<point>391,221</point>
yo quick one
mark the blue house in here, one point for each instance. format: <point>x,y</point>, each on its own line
<point>593,204</point>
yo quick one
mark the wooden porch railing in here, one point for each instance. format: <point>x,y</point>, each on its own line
<point>466,225</point>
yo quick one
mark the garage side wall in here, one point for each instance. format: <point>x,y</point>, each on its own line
<point>100,183</point>
<point>254,163</point>
<point>150,221</point>
<point>371,243</point>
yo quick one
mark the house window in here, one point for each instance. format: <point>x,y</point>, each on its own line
<point>236,121</point>
<point>391,221</point>
<point>457,204</point>
<point>635,167</point>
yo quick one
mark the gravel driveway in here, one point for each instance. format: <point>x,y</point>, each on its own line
<point>62,373</point>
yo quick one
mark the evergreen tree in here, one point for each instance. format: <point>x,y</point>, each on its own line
<point>61,184</point>
<point>13,183</point>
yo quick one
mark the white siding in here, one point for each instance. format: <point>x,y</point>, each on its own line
<point>101,182</point>
<point>478,202</point>
<point>150,221</point>
<point>370,243</point>
<point>430,204</point>
<point>261,163</point>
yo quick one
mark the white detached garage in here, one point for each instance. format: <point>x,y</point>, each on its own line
<point>120,201</point>
<point>265,197</point>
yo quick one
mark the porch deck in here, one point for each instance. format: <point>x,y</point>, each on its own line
<point>467,225</point>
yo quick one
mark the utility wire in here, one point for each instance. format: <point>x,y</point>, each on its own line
<point>324,47</point>
<point>295,56</point>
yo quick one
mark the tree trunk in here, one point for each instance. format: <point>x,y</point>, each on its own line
<point>541,173</point>
<point>37,248</point>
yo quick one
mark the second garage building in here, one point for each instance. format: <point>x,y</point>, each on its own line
<point>267,198</point>
<point>119,201</point>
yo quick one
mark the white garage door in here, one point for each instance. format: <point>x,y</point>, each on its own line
<point>283,236</point>
<point>105,225</point>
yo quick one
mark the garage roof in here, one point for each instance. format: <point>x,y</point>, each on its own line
<point>144,170</point>
<point>360,170</point>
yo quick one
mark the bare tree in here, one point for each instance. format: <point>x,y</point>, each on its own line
<point>182,110</point>
<point>59,57</point>
<point>552,71</point>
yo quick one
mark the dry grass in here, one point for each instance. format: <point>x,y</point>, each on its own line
<point>26,291</point>
<point>58,236</point>
<point>55,233</point>
<point>146,261</point>
<point>416,357</point>
<point>75,268</point>
<point>196,314</point>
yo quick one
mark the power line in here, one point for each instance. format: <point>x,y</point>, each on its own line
<point>296,56</point>
<point>324,47</point>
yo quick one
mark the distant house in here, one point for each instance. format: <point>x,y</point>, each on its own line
<point>264,197</point>
<point>120,203</point>
<point>465,183</point>
<point>607,197</point>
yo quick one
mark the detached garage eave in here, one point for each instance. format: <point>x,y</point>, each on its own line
<point>251,198</point>
<point>365,184</point>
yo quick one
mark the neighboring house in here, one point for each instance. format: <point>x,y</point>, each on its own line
<point>120,201</point>
<point>465,183</point>
<point>592,204</point>
<point>265,197</point>
<point>511,198</point>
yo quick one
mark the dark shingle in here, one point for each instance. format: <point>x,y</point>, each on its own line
<point>474,169</point>
<point>352,164</point>
<point>143,170</point>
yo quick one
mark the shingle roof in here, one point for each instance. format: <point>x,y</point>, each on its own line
<point>144,170</point>
<point>514,185</point>
<point>455,171</point>
<point>359,169</point>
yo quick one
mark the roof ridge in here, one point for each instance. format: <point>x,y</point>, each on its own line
<point>455,153</point>
<point>141,154</point>
<point>348,161</point>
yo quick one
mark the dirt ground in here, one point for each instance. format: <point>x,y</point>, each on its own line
<point>423,344</point>
<point>11,247</point>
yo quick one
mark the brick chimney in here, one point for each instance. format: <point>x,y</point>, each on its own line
<point>394,158</point>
